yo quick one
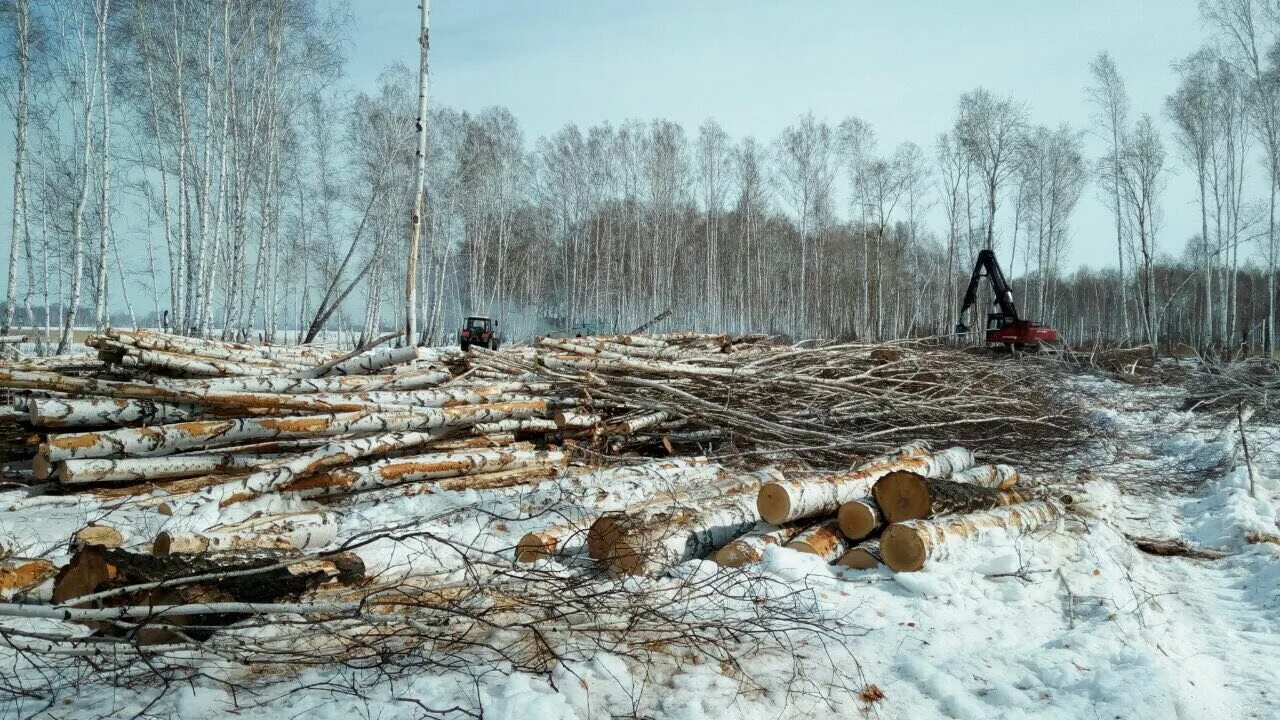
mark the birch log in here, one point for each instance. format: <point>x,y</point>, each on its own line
<point>863,556</point>
<point>572,419</point>
<point>375,360</point>
<point>794,499</point>
<point>110,412</point>
<point>903,495</point>
<point>22,575</point>
<point>288,531</point>
<point>301,386</point>
<point>859,518</point>
<point>176,437</point>
<point>909,546</point>
<point>609,528</point>
<point>682,536</point>
<point>749,548</point>
<point>1001,477</point>
<point>104,470</point>
<point>386,473</point>
<point>824,540</point>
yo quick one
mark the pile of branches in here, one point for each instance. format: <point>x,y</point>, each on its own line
<point>1224,388</point>
<point>826,405</point>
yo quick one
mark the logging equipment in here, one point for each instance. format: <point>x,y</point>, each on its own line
<point>478,330</point>
<point>1003,324</point>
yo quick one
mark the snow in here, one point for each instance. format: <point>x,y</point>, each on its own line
<point>1069,622</point>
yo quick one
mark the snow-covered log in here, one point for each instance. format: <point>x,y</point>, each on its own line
<point>749,548</point>
<point>798,498</point>
<point>904,495</point>
<point>908,546</point>
<point>286,531</point>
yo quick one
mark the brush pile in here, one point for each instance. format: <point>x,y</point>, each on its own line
<point>196,463</point>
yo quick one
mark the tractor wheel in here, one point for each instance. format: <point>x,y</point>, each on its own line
<point>465,345</point>
<point>493,344</point>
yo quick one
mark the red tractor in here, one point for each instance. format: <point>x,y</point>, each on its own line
<point>1003,325</point>
<point>478,330</point>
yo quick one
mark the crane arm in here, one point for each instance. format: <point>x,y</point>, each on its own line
<point>987,265</point>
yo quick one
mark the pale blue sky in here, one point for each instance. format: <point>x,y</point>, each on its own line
<point>755,66</point>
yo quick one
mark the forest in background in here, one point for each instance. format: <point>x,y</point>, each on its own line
<point>200,164</point>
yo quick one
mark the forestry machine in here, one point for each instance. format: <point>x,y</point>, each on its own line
<point>478,330</point>
<point>1003,324</point>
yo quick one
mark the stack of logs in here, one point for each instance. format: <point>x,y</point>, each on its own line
<point>903,509</point>
<point>199,430</point>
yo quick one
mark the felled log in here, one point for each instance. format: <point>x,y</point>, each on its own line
<point>683,536</point>
<point>824,540</point>
<point>576,420</point>
<point>516,425</point>
<point>863,556</point>
<point>288,531</point>
<point>192,364</point>
<point>385,473</point>
<point>904,495</point>
<point>1001,477</point>
<point>100,535</point>
<point>12,339</point>
<point>175,437</point>
<point>19,576</point>
<point>859,518</point>
<point>113,412</point>
<point>570,537</point>
<point>798,498</point>
<point>749,548</point>
<point>103,470</point>
<point>631,365</point>
<point>609,528</point>
<point>631,424</point>
<point>375,360</point>
<point>908,546</point>
<point>1174,547</point>
<point>416,380</point>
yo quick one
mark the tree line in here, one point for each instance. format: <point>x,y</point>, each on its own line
<point>199,165</point>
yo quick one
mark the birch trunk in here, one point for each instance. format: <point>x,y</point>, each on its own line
<point>1000,477</point>
<point>909,546</point>
<point>824,540</point>
<point>176,437</point>
<point>290,531</point>
<point>903,495</point>
<point>420,191</point>
<point>103,470</point>
<point>749,549</point>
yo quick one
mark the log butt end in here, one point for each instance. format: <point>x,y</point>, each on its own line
<point>903,549</point>
<point>774,504</point>
<point>859,559</point>
<point>532,547</point>
<point>902,495</point>
<point>857,520</point>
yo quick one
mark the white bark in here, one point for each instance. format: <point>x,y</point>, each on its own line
<point>176,437</point>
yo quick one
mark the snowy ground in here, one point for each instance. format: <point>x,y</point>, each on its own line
<point>1072,622</point>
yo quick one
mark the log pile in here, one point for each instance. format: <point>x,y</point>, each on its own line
<point>248,453</point>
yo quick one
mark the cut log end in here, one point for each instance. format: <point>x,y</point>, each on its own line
<point>773,504</point>
<point>859,558</point>
<point>903,549</point>
<point>858,519</point>
<point>535,546</point>
<point>736,555</point>
<point>902,495</point>
<point>100,535</point>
